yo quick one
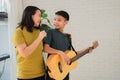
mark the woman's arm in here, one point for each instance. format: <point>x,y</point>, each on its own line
<point>25,50</point>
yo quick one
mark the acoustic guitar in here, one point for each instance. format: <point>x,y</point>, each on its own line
<point>58,69</point>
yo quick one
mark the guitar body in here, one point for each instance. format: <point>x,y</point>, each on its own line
<point>58,68</point>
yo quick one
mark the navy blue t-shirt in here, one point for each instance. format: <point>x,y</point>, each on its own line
<point>57,40</point>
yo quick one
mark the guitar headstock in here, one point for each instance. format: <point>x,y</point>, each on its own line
<point>95,44</point>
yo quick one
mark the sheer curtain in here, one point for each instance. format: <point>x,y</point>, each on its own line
<point>15,9</point>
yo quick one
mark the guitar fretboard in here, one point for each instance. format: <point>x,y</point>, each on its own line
<point>81,54</point>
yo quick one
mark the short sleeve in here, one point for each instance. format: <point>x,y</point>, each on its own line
<point>18,37</point>
<point>48,39</point>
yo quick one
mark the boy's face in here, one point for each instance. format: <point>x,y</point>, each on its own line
<point>59,22</point>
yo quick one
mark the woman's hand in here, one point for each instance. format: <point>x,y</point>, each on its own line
<point>42,34</point>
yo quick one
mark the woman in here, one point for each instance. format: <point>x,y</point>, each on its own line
<point>27,40</point>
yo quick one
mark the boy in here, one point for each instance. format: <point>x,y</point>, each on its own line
<point>57,41</point>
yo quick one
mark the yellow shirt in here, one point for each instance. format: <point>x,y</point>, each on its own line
<point>33,65</point>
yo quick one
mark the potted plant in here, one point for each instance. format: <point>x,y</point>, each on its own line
<point>45,26</point>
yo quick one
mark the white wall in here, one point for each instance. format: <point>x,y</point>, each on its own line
<point>91,20</point>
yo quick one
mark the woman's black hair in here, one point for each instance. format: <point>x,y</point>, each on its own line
<point>27,20</point>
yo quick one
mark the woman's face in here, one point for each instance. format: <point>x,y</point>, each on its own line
<point>36,18</point>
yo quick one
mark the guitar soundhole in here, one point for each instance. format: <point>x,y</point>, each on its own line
<point>60,67</point>
<point>48,69</point>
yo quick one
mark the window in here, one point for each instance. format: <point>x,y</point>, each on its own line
<point>3,9</point>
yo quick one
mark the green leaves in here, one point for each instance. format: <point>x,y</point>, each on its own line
<point>44,15</point>
<point>45,26</point>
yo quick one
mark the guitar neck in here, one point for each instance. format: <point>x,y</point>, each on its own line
<point>81,54</point>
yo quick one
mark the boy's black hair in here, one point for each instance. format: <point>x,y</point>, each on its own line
<point>63,14</point>
<point>27,20</point>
